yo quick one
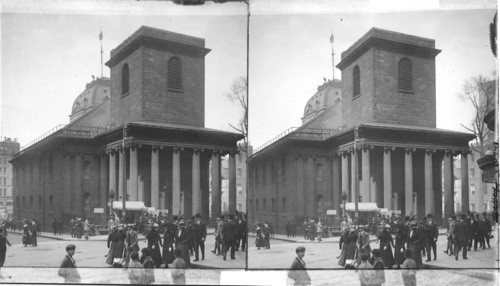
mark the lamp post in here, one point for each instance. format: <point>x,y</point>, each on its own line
<point>343,196</point>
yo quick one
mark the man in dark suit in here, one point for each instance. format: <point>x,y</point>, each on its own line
<point>474,228</point>
<point>244,232</point>
<point>431,237</point>
<point>229,237</point>
<point>486,225</point>
<point>201,235</point>
<point>461,233</point>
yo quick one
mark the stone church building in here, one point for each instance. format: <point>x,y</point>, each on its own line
<point>141,133</point>
<point>374,131</point>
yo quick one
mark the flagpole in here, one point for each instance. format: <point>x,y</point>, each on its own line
<point>333,60</point>
<point>100,39</point>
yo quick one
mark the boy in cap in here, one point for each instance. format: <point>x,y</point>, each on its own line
<point>135,269</point>
<point>68,270</point>
<point>298,268</point>
<point>179,265</point>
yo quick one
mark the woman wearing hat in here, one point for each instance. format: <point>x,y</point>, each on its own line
<point>352,239</point>
<point>112,240</point>
<point>414,243</point>
<point>343,243</point>
<point>119,242</point>
<point>154,243</point>
<point>386,245</point>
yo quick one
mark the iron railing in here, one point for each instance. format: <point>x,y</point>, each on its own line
<point>313,134</point>
<point>71,131</point>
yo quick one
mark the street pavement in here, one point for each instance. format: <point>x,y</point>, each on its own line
<point>90,253</point>
<point>323,255</point>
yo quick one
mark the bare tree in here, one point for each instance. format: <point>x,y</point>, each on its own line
<point>239,93</point>
<point>479,91</point>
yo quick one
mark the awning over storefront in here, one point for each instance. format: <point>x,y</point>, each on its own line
<point>130,205</point>
<point>362,207</point>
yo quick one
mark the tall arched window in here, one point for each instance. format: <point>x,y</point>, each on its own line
<point>356,89</point>
<point>264,205</point>
<point>405,75</point>
<point>256,205</point>
<point>125,80</point>
<point>24,203</point>
<point>174,74</point>
<point>31,202</point>
<point>51,199</point>
<point>40,203</point>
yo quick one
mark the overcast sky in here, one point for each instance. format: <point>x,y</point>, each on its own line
<point>291,53</point>
<point>48,55</point>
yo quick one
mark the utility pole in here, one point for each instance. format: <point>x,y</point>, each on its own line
<point>124,154</point>
<point>356,183</point>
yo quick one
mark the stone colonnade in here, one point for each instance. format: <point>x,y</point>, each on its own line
<point>173,168</point>
<point>392,172</point>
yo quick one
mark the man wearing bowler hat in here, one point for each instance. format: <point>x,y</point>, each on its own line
<point>201,234</point>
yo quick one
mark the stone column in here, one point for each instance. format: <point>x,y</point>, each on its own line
<point>465,183</point>
<point>216,185</point>
<point>310,198</point>
<point>336,188</point>
<point>365,163</point>
<point>176,181</point>
<point>300,194</point>
<point>409,180</point>
<point>121,174</point>
<point>112,174</point>
<point>155,177</point>
<point>388,178</point>
<point>429,195</point>
<point>353,175</point>
<point>232,182</point>
<point>104,180</point>
<point>448,184</point>
<point>196,182</point>
<point>345,174</point>
<point>134,193</point>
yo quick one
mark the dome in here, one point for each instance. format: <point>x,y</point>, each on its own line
<point>95,93</point>
<point>328,93</point>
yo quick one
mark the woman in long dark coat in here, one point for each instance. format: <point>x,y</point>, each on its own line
<point>343,242</point>
<point>386,245</point>
<point>168,244</point>
<point>154,243</point>
<point>414,243</point>
<point>111,245</point>
<point>399,246</point>
<point>352,238</point>
<point>259,237</point>
<point>119,242</point>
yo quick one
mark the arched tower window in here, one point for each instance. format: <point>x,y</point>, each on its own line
<point>125,80</point>
<point>174,74</point>
<point>356,89</point>
<point>405,75</point>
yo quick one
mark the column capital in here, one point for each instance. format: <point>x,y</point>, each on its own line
<point>232,153</point>
<point>197,150</point>
<point>156,148</point>
<point>216,153</point>
<point>465,152</point>
<point>388,149</point>
<point>178,149</point>
<point>366,147</point>
<point>429,151</point>
<point>449,152</point>
<point>409,150</point>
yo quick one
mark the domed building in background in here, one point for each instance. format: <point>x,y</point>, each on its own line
<point>328,95</point>
<point>96,92</point>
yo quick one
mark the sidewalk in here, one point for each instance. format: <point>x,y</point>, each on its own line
<point>334,239</point>
<point>67,237</point>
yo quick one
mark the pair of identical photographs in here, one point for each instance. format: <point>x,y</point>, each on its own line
<point>286,56</point>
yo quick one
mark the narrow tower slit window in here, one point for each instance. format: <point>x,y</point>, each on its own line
<point>356,88</point>
<point>405,75</point>
<point>174,74</point>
